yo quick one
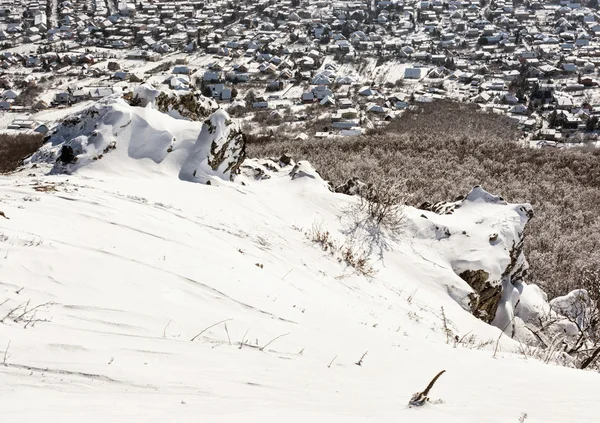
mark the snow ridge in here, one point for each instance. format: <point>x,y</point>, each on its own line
<point>117,138</point>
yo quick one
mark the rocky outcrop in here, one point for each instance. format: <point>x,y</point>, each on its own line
<point>192,106</point>
<point>486,296</point>
<point>443,207</point>
<point>219,151</point>
<point>490,256</point>
<point>352,186</point>
<point>155,142</point>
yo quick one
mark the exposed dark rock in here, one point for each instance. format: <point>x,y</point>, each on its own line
<point>484,301</point>
<point>442,207</point>
<point>67,155</point>
<point>352,186</point>
<point>517,268</point>
<point>285,159</point>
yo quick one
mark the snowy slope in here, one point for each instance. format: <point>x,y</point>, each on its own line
<point>128,263</point>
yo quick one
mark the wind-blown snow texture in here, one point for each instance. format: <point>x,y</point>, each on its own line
<point>131,262</point>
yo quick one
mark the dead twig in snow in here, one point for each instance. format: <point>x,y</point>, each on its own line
<point>211,326</point>
<point>6,354</point>
<point>331,362</point>
<point>243,339</point>
<point>33,309</point>
<point>273,340</point>
<point>11,312</point>
<point>359,362</point>
<point>412,296</point>
<point>463,337</point>
<point>502,333</point>
<point>165,329</point>
<point>227,332</point>
<point>447,330</point>
<point>420,398</point>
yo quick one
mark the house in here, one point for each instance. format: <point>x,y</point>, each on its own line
<point>62,97</point>
<point>40,105</point>
<point>308,97</point>
<point>9,94</point>
<point>121,75</point>
<point>23,124</point>
<point>221,92</point>
<point>327,101</point>
<point>321,92</point>
<point>564,103</point>
<point>181,70</point>
<point>345,103</point>
<point>376,108</point>
<point>518,109</point>
<point>101,92</point>
<point>42,129</point>
<point>212,76</point>
<point>367,92</point>
<point>413,73</point>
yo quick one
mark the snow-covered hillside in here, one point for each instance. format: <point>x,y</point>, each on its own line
<point>128,293</point>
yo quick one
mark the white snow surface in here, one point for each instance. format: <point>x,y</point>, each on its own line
<point>128,262</point>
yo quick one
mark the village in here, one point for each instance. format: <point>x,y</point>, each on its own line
<point>308,68</point>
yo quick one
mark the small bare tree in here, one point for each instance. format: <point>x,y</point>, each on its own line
<point>376,217</point>
<point>382,204</point>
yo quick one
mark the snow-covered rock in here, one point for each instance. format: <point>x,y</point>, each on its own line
<point>185,105</point>
<point>218,152</point>
<point>352,186</point>
<point>119,138</point>
<point>145,94</point>
<point>489,256</point>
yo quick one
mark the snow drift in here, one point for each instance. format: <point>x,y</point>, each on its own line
<point>120,139</point>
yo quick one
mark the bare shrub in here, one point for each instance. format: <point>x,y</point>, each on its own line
<point>383,203</point>
<point>14,148</point>
<point>322,237</point>
<point>359,260</point>
<point>573,324</point>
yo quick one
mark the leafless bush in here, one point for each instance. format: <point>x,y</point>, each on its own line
<point>444,149</point>
<point>14,148</point>
<point>376,217</point>
<point>572,326</point>
<point>382,203</point>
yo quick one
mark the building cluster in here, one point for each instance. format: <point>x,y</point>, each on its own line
<point>362,61</point>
